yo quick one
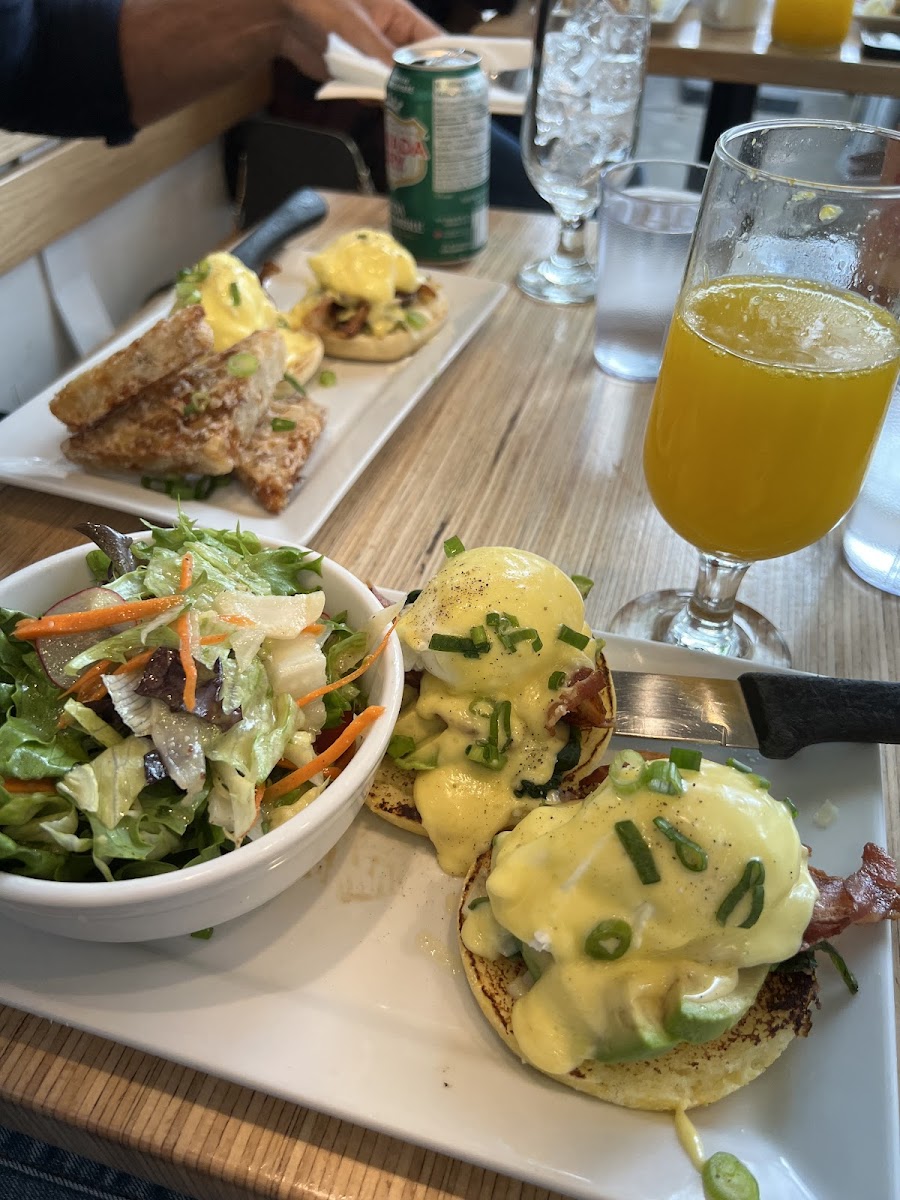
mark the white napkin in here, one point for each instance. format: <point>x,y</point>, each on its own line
<point>358,77</point>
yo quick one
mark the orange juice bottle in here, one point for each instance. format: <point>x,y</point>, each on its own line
<point>769,399</point>
<point>811,24</point>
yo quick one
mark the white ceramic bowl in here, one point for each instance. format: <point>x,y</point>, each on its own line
<point>138,910</point>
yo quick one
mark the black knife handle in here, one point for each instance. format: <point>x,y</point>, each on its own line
<point>300,211</point>
<point>792,711</point>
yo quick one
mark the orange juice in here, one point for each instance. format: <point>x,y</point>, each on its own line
<point>811,24</point>
<point>769,399</point>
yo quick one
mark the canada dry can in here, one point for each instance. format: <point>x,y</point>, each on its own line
<point>437,134</point>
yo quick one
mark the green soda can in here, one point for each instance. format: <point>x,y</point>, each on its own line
<point>437,142</point>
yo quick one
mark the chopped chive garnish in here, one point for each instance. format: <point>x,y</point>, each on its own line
<point>327,378</point>
<point>479,636</point>
<point>523,635</point>
<point>638,851</point>
<point>500,732</point>
<point>726,1178</point>
<point>478,901</point>
<point>481,706</point>
<point>753,880</point>
<point>295,383</point>
<point>572,637</point>
<point>690,855</point>
<point>453,546</point>
<point>840,966</point>
<point>400,744</point>
<point>791,806</point>
<point>203,934</point>
<point>664,778</point>
<point>235,293</point>
<point>283,425</point>
<point>416,320</point>
<point>684,759</point>
<point>556,680</point>
<point>243,365</point>
<point>608,940</point>
<point>627,772</point>
<point>759,780</point>
<point>451,644</point>
<point>583,584</point>
<point>486,754</point>
<point>738,766</point>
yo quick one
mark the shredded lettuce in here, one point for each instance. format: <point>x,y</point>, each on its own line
<point>108,786</point>
<point>91,723</point>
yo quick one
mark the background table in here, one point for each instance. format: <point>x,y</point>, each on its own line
<point>521,442</point>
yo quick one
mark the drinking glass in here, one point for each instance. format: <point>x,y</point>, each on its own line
<point>812,26</point>
<point>580,114</point>
<point>779,365</point>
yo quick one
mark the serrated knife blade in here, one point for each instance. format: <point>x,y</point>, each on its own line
<point>778,714</point>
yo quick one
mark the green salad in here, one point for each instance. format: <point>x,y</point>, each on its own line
<point>196,695</point>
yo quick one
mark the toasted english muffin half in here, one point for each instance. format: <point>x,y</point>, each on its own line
<point>686,1076</point>
<point>366,347</point>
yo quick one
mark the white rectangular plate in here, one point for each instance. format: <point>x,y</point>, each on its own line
<point>345,994</point>
<point>364,408</point>
<point>876,22</point>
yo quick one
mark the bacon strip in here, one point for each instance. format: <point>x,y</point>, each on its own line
<point>584,700</point>
<point>869,895</point>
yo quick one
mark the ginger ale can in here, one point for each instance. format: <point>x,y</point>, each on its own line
<point>437,142</point>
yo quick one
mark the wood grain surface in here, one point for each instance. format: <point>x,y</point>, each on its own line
<point>521,441</point>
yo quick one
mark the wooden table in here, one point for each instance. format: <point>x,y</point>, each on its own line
<point>522,441</point>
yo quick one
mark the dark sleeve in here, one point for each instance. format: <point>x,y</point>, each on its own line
<point>60,71</point>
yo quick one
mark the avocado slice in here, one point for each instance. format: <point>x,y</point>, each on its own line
<point>537,961</point>
<point>688,1019</point>
<point>633,1035</point>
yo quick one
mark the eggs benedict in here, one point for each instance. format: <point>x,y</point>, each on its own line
<point>369,301</point>
<point>645,944</point>
<point>236,305</point>
<point>510,702</point>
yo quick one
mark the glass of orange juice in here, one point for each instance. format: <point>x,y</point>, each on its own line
<point>780,360</point>
<point>811,25</point>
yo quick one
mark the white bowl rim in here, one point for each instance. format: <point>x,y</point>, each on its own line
<point>262,851</point>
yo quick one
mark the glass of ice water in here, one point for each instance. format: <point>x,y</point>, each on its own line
<point>648,210</point>
<point>580,115</point>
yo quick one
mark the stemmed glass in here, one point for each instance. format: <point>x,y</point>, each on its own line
<point>583,96</point>
<point>779,364</point>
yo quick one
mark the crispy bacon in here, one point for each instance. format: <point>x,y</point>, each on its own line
<point>869,895</point>
<point>584,701</point>
<point>324,319</point>
<point>353,325</point>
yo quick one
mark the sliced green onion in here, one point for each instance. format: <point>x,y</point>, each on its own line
<point>295,383</point>
<point>282,425</point>
<point>738,766</point>
<point>478,901</point>
<point>791,806</point>
<point>453,546</point>
<point>684,759</point>
<point>235,293</point>
<point>840,966</point>
<point>597,943</point>
<point>583,584</point>
<point>401,744</point>
<point>664,778</point>
<point>243,365</point>
<point>572,637</point>
<point>627,772</point>
<point>500,732</point>
<point>638,851</point>
<point>556,680</point>
<point>524,635</point>
<point>481,706</point>
<point>479,636</point>
<point>726,1178</point>
<point>203,934</point>
<point>416,320</point>
<point>759,780</point>
<point>690,855</point>
<point>327,378</point>
<point>486,754</point>
<point>450,644</point>
<point>752,880</point>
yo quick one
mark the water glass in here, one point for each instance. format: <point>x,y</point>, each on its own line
<point>648,210</point>
<point>872,535</point>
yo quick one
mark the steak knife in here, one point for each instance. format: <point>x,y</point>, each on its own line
<point>776,714</point>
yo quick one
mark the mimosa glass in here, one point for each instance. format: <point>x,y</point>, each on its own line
<point>779,364</point>
<point>813,26</point>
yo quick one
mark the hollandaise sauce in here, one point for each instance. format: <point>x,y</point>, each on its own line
<point>724,1176</point>
<point>489,632</point>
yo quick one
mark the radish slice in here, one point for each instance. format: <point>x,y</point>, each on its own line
<point>55,652</point>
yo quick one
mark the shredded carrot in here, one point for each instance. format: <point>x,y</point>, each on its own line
<point>183,629</point>
<point>332,772</point>
<point>244,622</point>
<point>363,666</point>
<point>314,628</point>
<point>258,795</point>
<point>327,757</point>
<point>90,676</point>
<point>23,786</point>
<point>187,572</point>
<point>95,618</point>
<point>135,664</point>
<point>213,639</point>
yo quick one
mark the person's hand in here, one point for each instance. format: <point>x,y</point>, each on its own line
<point>375,27</point>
